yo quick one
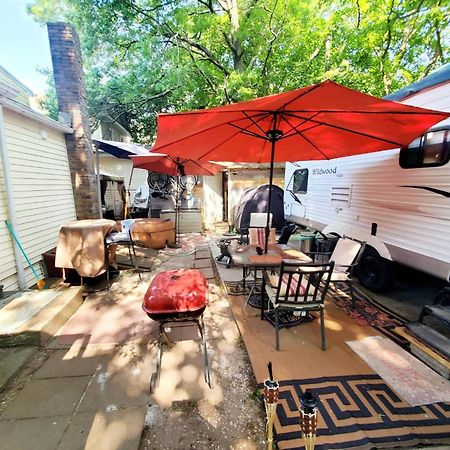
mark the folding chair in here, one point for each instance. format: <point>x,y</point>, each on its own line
<point>346,256</point>
<point>124,237</point>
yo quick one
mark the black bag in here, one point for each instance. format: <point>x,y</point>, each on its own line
<point>443,298</point>
<point>286,233</point>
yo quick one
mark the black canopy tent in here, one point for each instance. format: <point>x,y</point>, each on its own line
<point>255,200</point>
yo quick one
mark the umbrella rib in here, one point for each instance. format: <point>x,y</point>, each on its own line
<point>296,131</point>
<point>306,139</point>
<point>300,95</point>
<point>241,130</point>
<point>256,123</point>
<point>348,130</point>
<point>356,111</point>
<point>231,122</point>
<point>201,167</point>
<point>294,128</point>
<point>249,133</point>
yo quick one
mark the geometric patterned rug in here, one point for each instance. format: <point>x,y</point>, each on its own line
<point>359,412</point>
<point>369,312</point>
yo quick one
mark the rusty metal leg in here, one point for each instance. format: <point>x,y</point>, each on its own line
<point>154,380</point>
<point>206,373</point>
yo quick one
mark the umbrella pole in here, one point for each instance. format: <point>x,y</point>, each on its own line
<point>176,244</point>
<point>128,196</point>
<point>177,193</point>
<point>272,158</point>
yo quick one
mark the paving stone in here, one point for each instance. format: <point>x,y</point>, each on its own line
<point>124,382</point>
<point>63,364</point>
<point>49,397</point>
<point>11,361</point>
<point>41,433</point>
<point>202,254</point>
<point>113,318</point>
<point>208,272</point>
<point>101,430</point>
<point>203,263</point>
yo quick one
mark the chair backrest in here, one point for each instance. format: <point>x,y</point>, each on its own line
<point>304,283</point>
<point>345,252</point>
<point>257,236</point>
<point>127,226</point>
<point>260,220</point>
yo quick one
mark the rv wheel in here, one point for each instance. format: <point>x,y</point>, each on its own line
<point>374,272</point>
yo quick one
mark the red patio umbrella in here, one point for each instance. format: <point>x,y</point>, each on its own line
<point>323,121</point>
<point>174,166</point>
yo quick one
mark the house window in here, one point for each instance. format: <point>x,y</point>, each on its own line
<point>300,181</point>
<point>433,150</point>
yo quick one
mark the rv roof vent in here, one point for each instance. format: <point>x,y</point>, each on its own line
<point>341,195</point>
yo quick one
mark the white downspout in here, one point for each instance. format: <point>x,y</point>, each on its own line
<point>11,204</point>
<point>99,190</point>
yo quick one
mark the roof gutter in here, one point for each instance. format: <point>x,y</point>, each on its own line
<point>31,114</point>
<point>11,204</point>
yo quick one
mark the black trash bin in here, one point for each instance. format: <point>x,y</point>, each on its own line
<point>326,246</point>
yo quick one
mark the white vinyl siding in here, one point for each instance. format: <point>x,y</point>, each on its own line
<point>42,192</point>
<point>22,96</point>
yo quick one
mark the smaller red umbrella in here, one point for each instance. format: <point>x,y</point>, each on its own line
<point>174,166</point>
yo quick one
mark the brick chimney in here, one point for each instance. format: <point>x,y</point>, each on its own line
<point>71,93</point>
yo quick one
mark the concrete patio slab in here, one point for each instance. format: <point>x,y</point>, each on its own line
<point>203,263</point>
<point>11,361</point>
<point>47,397</point>
<point>24,306</point>
<point>202,254</point>
<point>35,316</point>
<point>114,430</point>
<point>42,433</point>
<point>109,317</point>
<point>123,382</point>
<point>208,272</point>
<point>63,364</point>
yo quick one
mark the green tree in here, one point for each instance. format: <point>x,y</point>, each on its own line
<point>147,56</point>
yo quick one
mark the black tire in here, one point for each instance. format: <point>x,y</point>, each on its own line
<point>373,271</point>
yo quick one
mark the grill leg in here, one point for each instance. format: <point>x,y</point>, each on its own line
<point>154,380</point>
<point>201,328</point>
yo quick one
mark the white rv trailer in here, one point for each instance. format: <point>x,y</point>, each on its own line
<point>398,201</point>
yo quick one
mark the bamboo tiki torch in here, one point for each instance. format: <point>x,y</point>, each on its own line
<point>308,419</point>
<point>271,390</point>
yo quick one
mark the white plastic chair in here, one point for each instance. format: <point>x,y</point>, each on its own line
<point>259,220</point>
<point>346,256</point>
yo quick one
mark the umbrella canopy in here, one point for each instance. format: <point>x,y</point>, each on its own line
<point>121,150</point>
<point>323,121</point>
<point>173,165</point>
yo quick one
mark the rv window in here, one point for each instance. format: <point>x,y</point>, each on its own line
<point>300,185</point>
<point>434,150</point>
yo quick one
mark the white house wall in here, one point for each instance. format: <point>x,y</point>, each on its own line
<point>212,200</point>
<point>42,191</point>
<point>122,168</point>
